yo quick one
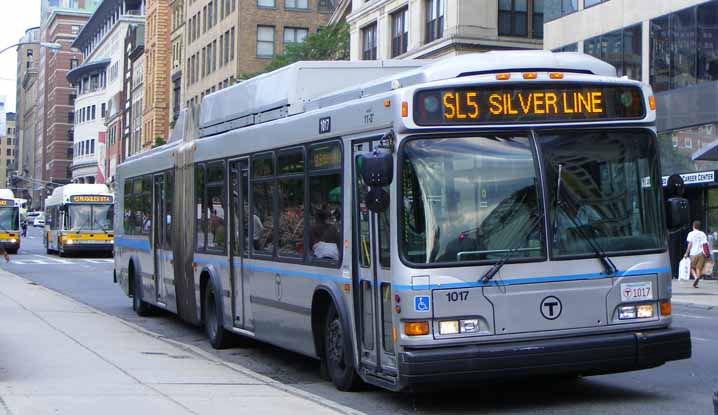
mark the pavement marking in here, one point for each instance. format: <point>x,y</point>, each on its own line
<point>701,339</point>
<point>691,316</point>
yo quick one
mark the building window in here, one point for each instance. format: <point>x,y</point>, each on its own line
<point>513,17</point>
<point>399,32</point>
<point>73,63</point>
<point>102,110</point>
<point>75,29</point>
<point>265,3</point>
<point>558,8</point>
<point>537,19</point>
<point>369,42</point>
<point>294,35</point>
<point>434,20</point>
<point>265,41</point>
<point>29,53</point>
<point>684,46</point>
<point>707,38</point>
<point>620,48</point>
<point>295,4</point>
<point>591,3</point>
<point>573,47</point>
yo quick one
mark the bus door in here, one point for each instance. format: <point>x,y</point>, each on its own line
<point>162,247</point>
<point>372,277</point>
<point>239,212</point>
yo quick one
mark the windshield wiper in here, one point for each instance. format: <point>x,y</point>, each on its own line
<point>516,245</point>
<point>608,265</point>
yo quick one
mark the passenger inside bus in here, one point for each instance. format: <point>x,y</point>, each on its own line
<point>324,236</point>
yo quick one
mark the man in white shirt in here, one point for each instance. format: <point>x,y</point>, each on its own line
<point>696,238</point>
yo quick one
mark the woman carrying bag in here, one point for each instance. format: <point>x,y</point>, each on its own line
<point>697,250</point>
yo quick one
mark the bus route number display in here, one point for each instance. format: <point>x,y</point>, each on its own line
<point>7,202</point>
<point>90,199</point>
<point>516,104</point>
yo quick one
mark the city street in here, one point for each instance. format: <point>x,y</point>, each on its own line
<point>675,388</point>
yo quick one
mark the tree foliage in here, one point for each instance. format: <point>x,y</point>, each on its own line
<point>328,44</point>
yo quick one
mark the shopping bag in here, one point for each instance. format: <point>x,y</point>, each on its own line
<point>684,269</point>
<point>706,250</point>
<point>708,268</point>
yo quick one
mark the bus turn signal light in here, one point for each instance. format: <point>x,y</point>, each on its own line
<point>404,109</point>
<point>666,307</point>
<point>416,328</point>
<point>652,103</point>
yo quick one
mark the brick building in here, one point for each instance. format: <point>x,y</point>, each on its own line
<point>228,38</point>
<point>25,105</point>
<point>177,37</point>
<point>132,91</point>
<point>60,22</point>
<point>8,149</point>
<point>157,54</point>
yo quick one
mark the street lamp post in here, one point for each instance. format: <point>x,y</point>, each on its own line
<point>51,46</point>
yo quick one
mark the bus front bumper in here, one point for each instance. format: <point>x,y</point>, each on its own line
<point>585,355</point>
<point>88,247</point>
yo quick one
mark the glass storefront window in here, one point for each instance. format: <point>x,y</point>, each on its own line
<point>683,31</point>
<point>553,9</point>
<point>677,148</point>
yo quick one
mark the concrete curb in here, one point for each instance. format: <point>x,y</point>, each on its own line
<point>208,356</point>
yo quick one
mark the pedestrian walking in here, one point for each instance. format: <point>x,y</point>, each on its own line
<point>3,252</point>
<point>696,241</point>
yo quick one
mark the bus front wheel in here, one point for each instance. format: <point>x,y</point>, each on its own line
<point>141,307</point>
<point>339,365</point>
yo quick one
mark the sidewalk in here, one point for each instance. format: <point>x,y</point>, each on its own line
<point>58,356</point>
<point>705,296</point>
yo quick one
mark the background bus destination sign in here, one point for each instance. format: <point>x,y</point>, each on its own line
<point>515,104</point>
<point>90,199</point>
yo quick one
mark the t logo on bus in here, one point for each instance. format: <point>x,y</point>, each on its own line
<point>551,307</point>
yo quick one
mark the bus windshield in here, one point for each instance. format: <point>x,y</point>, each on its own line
<point>469,199</point>
<point>89,217</point>
<point>610,190</point>
<point>9,219</point>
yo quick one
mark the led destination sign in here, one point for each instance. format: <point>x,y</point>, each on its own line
<point>518,104</point>
<point>7,202</point>
<point>90,199</point>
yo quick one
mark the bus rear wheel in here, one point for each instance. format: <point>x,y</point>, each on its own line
<point>218,337</point>
<point>339,364</point>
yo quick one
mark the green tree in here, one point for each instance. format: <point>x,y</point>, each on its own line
<point>328,44</point>
<point>158,141</point>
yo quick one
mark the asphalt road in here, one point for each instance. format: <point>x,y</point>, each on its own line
<point>683,387</point>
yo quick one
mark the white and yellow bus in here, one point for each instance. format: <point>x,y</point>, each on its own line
<point>78,218</point>
<point>9,221</point>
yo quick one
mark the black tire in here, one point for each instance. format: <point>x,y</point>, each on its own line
<point>337,359</point>
<point>141,307</point>
<point>218,337</point>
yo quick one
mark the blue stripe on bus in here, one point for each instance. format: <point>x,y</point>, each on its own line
<point>283,272</point>
<point>517,281</point>
<point>142,244</point>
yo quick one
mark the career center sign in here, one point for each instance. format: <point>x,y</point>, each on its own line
<point>694,178</point>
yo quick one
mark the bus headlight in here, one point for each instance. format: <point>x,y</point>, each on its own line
<point>449,327</point>
<point>627,312</point>
<point>70,241</point>
<point>470,325</point>
<point>645,311</point>
<point>13,240</point>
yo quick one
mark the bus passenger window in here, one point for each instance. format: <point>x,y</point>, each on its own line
<point>325,202</point>
<point>263,218</point>
<point>146,203</point>
<point>291,217</point>
<point>127,202</point>
<point>215,207</point>
<point>199,192</point>
<point>326,217</point>
<point>290,164</point>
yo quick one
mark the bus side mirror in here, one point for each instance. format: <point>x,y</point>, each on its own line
<point>377,168</point>
<point>377,199</point>
<point>679,213</point>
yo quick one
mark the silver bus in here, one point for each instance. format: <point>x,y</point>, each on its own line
<point>475,218</point>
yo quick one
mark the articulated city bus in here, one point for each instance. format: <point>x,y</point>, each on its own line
<point>9,221</point>
<point>476,218</point>
<point>78,218</point>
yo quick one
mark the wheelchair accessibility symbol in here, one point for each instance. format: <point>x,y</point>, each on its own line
<point>422,304</point>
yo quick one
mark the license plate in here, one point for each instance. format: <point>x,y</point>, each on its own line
<point>636,291</point>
